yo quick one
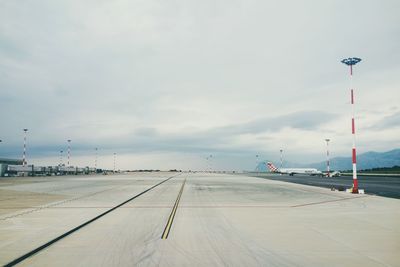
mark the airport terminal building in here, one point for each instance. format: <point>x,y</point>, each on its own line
<point>5,162</point>
<point>15,167</point>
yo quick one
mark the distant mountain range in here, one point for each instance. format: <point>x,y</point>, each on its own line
<point>366,160</point>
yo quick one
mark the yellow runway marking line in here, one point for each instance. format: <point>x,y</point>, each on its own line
<point>167,228</point>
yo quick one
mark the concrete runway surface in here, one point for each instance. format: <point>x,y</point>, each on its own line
<point>214,220</point>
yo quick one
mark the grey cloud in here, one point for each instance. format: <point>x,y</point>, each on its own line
<point>220,138</point>
<point>146,132</point>
<point>304,120</point>
<point>388,122</point>
<point>149,139</point>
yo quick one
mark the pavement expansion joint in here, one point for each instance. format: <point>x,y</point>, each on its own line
<point>326,201</point>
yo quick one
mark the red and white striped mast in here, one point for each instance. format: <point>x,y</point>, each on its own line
<point>327,158</point>
<point>24,152</point>
<point>61,157</point>
<point>69,150</point>
<point>351,62</point>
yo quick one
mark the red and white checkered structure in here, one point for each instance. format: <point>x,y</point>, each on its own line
<point>24,152</point>
<point>350,62</point>
<point>69,151</point>
<point>327,158</point>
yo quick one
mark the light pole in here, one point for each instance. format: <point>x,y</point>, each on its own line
<point>351,62</point>
<point>327,157</point>
<point>211,163</point>
<point>95,161</point>
<point>69,151</point>
<point>257,169</point>
<point>61,157</point>
<point>281,157</point>
<point>24,153</point>
<point>114,160</point>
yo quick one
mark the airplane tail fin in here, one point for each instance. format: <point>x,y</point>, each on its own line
<point>271,167</point>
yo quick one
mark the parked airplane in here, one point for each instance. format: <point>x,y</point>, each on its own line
<point>293,171</point>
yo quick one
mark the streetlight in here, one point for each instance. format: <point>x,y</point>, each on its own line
<point>61,157</point>
<point>327,157</point>
<point>351,62</point>
<point>257,169</point>
<point>24,153</point>
<point>114,160</point>
<point>281,157</point>
<point>69,150</point>
<point>211,163</point>
<point>95,161</point>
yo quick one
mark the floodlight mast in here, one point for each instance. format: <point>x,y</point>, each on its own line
<point>69,151</point>
<point>327,158</point>
<point>24,152</point>
<point>115,154</point>
<point>95,160</point>
<point>257,168</point>
<point>61,157</point>
<point>210,157</point>
<point>351,62</point>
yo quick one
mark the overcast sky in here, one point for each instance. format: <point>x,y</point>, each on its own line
<point>164,84</point>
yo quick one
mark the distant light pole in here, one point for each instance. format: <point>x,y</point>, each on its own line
<point>24,152</point>
<point>61,157</point>
<point>281,157</point>
<point>114,160</point>
<point>69,150</point>
<point>257,169</point>
<point>327,157</point>
<point>95,160</point>
<point>351,62</point>
<point>211,163</point>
